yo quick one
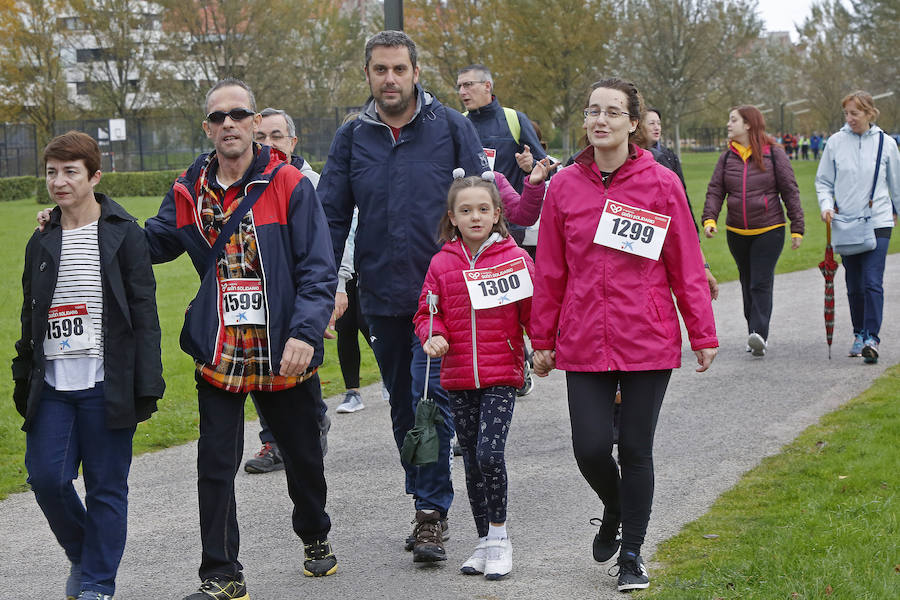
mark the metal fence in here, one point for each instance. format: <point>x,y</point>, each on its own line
<point>149,144</point>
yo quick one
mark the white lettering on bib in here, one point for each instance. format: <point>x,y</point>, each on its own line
<point>630,229</point>
<point>491,154</point>
<point>69,329</point>
<point>242,300</point>
<point>496,286</point>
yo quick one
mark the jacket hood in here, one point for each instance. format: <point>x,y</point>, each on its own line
<point>264,163</point>
<point>873,130</point>
<point>638,160</point>
<point>109,209</point>
<point>488,109</point>
<point>494,243</point>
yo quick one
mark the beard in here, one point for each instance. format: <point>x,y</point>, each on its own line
<point>393,107</point>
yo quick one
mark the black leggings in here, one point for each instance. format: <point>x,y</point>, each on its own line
<point>347,339</point>
<point>591,400</point>
<point>756,257</point>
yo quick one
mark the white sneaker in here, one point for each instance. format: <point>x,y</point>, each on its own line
<point>352,403</point>
<point>474,565</point>
<point>757,344</point>
<point>385,394</point>
<point>498,562</point>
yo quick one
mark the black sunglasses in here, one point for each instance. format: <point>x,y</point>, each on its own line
<point>236,114</point>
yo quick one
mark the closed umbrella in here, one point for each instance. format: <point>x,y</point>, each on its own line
<point>829,267</point>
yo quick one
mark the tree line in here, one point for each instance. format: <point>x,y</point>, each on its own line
<point>693,59</point>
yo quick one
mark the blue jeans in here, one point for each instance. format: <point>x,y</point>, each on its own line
<point>69,430</point>
<point>402,363</point>
<point>865,294</point>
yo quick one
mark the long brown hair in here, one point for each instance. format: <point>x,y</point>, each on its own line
<point>757,133</point>
<point>447,230</point>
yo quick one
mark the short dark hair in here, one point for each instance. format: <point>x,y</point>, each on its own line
<point>651,109</point>
<point>485,72</point>
<point>392,39</point>
<point>291,128</point>
<point>227,82</point>
<point>72,146</point>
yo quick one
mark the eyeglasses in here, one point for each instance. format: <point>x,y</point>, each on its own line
<point>275,137</point>
<point>236,114</point>
<point>468,84</point>
<point>594,113</point>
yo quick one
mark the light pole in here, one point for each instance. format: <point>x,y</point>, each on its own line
<point>393,14</point>
<point>791,103</point>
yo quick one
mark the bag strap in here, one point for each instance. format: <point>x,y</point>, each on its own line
<point>877,168</point>
<point>234,221</point>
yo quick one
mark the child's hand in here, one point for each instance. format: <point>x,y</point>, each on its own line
<point>436,347</point>
<point>544,362</point>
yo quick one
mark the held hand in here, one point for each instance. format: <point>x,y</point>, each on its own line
<point>795,242</point>
<point>295,358</point>
<point>705,357</point>
<point>341,302</point>
<point>544,362</point>
<point>436,346</point>
<point>710,230</point>
<point>827,215</point>
<point>525,159</point>
<point>542,170</point>
<point>713,285</point>
<point>43,217</point>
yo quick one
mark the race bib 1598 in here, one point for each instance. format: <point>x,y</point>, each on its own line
<point>630,229</point>
<point>503,284</point>
<point>69,328</point>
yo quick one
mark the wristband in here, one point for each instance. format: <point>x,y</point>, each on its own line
<point>706,266</point>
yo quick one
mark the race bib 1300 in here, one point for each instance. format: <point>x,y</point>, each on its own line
<point>503,284</point>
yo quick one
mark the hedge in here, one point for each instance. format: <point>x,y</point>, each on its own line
<point>17,188</point>
<point>121,185</point>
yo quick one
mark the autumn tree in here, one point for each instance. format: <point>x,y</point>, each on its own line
<point>32,82</point>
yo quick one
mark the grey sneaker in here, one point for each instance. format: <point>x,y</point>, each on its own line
<point>352,403</point>
<point>870,351</point>
<point>757,344</point>
<point>856,348</point>
<point>324,427</point>
<point>92,595</point>
<point>385,394</point>
<point>268,459</point>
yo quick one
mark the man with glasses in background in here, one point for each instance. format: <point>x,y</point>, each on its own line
<point>256,325</point>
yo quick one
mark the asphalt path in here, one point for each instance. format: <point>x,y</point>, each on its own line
<point>713,427</point>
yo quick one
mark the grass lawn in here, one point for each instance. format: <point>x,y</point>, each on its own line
<point>176,421</point>
<point>819,520</point>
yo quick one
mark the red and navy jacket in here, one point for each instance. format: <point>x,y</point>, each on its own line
<point>298,273</point>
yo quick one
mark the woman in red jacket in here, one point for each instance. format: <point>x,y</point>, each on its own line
<point>484,284</point>
<point>616,241</point>
<point>755,174</point>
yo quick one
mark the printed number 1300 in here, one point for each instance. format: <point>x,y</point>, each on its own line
<point>633,229</point>
<point>493,287</point>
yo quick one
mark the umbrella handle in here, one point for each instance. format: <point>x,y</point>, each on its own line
<point>828,232</point>
<point>431,299</point>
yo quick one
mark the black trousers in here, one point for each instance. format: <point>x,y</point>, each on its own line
<point>591,400</point>
<point>347,339</point>
<point>756,257</point>
<point>292,415</point>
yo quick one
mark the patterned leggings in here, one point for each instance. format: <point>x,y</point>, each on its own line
<point>482,420</point>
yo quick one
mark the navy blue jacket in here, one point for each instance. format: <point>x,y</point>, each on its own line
<point>132,365</point>
<point>493,130</point>
<point>401,191</point>
<point>298,273</point>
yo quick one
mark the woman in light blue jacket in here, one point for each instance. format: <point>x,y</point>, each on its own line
<point>859,175</point>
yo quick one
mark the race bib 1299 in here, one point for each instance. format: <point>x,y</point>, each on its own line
<point>630,229</point>
<point>495,286</point>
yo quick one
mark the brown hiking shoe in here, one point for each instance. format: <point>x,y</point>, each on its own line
<point>429,545</point>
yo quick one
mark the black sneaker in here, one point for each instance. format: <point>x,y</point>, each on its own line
<point>429,544</point>
<point>632,573</point>
<point>268,459</point>
<point>607,539</point>
<point>319,559</point>
<point>221,588</point>
<point>411,539</point>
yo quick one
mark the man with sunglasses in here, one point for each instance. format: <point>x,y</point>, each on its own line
<point>395,163</point>
<point>256,325</point>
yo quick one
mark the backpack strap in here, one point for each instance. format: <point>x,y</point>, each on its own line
<point>877,168</point>
<point>512,121</point>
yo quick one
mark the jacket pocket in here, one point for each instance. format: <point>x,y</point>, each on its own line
<point>664,323</point>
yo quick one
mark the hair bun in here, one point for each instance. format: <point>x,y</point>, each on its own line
<point>459,173</point>
<point>488,176</point>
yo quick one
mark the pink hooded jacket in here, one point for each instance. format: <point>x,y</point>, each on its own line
<point>607,310</point>
<point>496,356</point>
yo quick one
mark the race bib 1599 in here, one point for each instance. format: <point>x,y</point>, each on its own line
<point>242,300</point>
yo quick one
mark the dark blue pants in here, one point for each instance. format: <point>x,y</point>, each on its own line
<point>69,430</point>
<point>402,363</point>
<point>592,397</point>
<point>265,433</point>
<point>756,257</point>
<point>865,294</point>
<point>482,419</point>
<point>293,416</point>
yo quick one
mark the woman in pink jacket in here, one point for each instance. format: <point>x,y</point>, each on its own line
<point>483,281</point>
<point>616,241</point>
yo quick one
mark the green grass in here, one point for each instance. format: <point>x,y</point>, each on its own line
<point>176,421</point>
<point>819,520</point>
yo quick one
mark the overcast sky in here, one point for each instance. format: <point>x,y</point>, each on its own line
<point>780,15</point>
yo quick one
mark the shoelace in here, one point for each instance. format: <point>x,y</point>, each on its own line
<point>627,566</point>
<point>317,550</point>
<point>604,533</point>
<point>432,530</point>
<point>265,450</point>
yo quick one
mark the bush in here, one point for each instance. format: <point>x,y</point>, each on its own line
<point>121,185</point>
<point>18,188</point>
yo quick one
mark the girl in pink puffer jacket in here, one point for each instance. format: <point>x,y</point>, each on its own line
<point>484,284</point>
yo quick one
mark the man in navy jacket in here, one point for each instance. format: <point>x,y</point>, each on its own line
<point>395,162</point>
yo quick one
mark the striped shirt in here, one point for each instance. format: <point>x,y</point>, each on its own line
<point>79,282</point>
